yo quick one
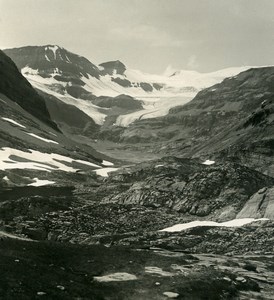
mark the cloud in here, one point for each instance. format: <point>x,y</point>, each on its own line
<point>145,33</point>
<point>192,63</point>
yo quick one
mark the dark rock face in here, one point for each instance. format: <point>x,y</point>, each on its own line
<point>18,89</point>
<point>122,82</point>
<point>113,67</point>
<point>260,205</point>
<point>146,87</point>
<point>79,92</point>
<point>122,101</point>
<point>69,118</point>
<point>157,86</point>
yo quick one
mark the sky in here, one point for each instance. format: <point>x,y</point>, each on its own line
<point>149,35</point>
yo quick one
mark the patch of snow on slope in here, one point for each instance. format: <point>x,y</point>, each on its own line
<point>104,171</point>
<point>36,160</point>
<point>13,122</point>
<point>105,86</point>
<point>39,182</point>
<point>42,139</point>
<point>12,236</point>
<point>208,162</point>
<point>68,60</point>
<point>29,71</point>
<point>86,163</point>
<point>47,57</point>
<point>171,295</point>
<point>107,163</point>
<point>232,223</point>
<point>53,49</point>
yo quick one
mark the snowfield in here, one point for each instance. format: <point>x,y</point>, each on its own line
<point>35,160</point>
<point>232,223</point>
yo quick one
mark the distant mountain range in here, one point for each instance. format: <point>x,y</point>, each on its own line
<point>75,80</point>
<point>218,115</point>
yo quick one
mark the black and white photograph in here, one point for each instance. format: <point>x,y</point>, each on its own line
<point>137,149</point>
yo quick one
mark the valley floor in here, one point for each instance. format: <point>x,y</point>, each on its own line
<point>127,153</point>
<point>43,270</point>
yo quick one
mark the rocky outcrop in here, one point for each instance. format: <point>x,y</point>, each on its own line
<point>113,67</point>
<point>260,205</point>
<point>122,101</point>
<point>219,191</point>
<point>18,89</point>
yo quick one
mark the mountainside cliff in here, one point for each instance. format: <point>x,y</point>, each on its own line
<point>17,88</point>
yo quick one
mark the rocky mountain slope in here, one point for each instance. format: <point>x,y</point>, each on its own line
<point>33,150</point>
<point>14,86</point>
<point>134,203</point>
